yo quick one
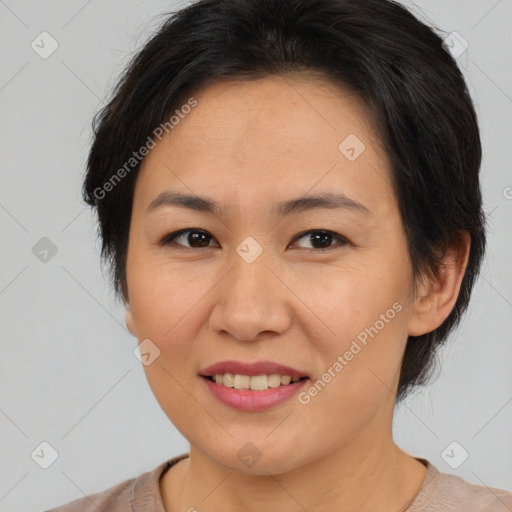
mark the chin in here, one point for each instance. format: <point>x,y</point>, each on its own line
<point>249,458</point>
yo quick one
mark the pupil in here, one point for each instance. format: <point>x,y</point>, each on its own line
<point>195,237</point>
<point>316,236</point>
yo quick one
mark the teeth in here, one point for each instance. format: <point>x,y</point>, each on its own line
<point>255,383</point>
<point>285,379</point>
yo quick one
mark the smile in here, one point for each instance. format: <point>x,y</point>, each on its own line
<point>254,383</point>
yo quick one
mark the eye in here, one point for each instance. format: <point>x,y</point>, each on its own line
<point>195,237</point>
<point>199,239</point>
<point>323,238</point>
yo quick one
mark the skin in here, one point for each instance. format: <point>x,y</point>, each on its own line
<point>248,145</point>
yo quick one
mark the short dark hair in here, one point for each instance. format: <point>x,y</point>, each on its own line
<point>415,92</point>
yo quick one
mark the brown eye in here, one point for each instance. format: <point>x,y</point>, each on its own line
<point>196,238</point>
<point>322,239</point>
<point>193,238</point>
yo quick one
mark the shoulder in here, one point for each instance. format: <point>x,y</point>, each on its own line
<point>114,499</point>
<point>139,493</point>
<point>450,493</point>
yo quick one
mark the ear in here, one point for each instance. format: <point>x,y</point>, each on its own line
<point>436,297</point>
<point>128,317</point>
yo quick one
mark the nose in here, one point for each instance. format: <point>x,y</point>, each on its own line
<point>251,302</point>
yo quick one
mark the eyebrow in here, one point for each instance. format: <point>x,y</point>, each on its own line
<point>329,200</point>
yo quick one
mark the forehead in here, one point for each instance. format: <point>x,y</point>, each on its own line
<point>299,112</point>
<point>268,137</point>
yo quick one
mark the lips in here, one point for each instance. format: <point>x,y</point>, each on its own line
<point>251,369</point>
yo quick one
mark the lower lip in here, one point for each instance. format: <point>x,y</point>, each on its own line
<point>247,400</point>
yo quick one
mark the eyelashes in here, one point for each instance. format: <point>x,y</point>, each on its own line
<point>203,238</point>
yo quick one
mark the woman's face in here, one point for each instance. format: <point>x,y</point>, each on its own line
<point>255,285</point>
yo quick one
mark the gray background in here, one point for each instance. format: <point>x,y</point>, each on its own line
<point>68,375</point>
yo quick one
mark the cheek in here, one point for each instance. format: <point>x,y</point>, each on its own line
<point>163,295</point>
<point>168,304</point>
<point>360,372</point>
<point>366,311</point>
<point>165,303</point>
<point>352,297</point>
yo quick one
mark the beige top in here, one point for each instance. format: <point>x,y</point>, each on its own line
<point>439,492</point>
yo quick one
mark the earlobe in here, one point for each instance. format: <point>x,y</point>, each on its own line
<point>436,297</point>
<point>130,324</point>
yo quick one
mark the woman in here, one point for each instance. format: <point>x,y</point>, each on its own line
<point>288,195</point>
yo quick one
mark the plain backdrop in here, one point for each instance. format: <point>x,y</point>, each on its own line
<point>68,374</point>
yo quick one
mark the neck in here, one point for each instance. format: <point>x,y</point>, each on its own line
<point>383,478</point>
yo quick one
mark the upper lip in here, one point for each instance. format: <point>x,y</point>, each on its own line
<point>251,369</point>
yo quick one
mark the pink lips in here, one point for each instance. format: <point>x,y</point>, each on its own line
<point>246,399</point>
